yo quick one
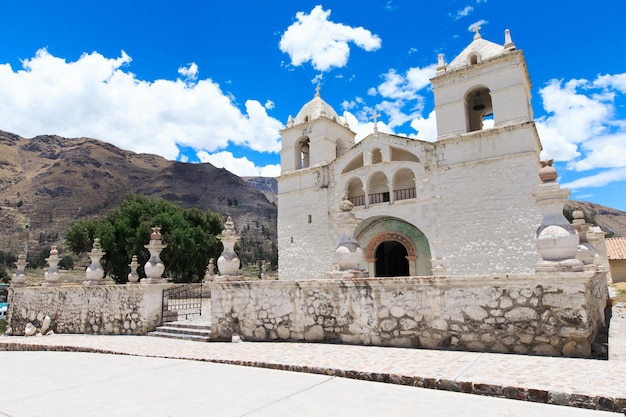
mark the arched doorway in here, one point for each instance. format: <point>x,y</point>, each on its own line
<point>390,243</point>
<point>391,259</point>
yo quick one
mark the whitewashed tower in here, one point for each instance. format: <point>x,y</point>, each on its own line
<point>311,141</point>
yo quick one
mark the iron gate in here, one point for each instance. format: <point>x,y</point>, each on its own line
<point>182,302</point>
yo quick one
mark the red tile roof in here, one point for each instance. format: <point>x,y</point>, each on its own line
<point>616,248</point>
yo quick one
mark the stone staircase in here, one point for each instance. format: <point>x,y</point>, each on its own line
<point>184,330</point>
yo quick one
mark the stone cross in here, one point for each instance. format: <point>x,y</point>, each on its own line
<point>476,29</point>
<point>317,90</point>
<point>375,116</point>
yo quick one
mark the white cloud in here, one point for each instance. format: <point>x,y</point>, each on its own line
<point>464,12</point>
<point>597,180</point>
<point>617,82</point>
<point>190,72</point>
<point>269,105</point>
<point>313,38</point>
<point>426,127</point>
<point>98,97</point>
<point>583,130</point>
<point>242,167</point>
<point>474,25</point>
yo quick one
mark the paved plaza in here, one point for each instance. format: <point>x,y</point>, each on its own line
<point>83,375</point>
<point>62,384</point>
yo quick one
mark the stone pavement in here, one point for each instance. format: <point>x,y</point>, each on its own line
<point>584,383</point>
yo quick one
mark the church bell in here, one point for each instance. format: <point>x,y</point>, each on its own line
<point>478,102</point>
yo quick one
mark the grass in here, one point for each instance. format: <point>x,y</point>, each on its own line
<point>2,326</point>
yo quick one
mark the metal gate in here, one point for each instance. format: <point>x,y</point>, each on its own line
<point>182,302</point>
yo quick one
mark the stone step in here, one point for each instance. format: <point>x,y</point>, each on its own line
<point>181,336</point>
<point>184,330</point>
<point>187,325</point>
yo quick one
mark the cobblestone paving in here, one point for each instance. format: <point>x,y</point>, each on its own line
<point>583,383</point>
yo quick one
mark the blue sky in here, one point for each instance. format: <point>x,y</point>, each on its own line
<point>216,81</point>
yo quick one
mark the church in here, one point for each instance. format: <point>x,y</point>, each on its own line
<point>460,205</point>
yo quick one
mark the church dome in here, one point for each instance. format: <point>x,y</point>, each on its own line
<point>316,109</point>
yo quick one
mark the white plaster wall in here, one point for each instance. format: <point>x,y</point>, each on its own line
<point>304,249</point>
<point>487,216</point>
<point>618,270</point>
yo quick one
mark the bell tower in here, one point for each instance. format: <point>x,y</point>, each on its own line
<point>315,137</point>
<point>485,85</point>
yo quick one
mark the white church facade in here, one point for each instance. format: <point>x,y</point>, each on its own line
<point>460,205</point>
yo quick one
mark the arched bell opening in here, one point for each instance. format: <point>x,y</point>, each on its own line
<point>479,109</point>
<point>303,157</point>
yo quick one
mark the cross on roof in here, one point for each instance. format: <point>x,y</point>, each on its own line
<point>375,116</point>
<point>476,29</point>
<point>317,90</point>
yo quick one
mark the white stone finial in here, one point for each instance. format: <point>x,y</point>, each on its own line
<point>317,90</point>
<point>290,121</point>
<point>476,30</point>
<point>441,65</point>
<point>508,42</point>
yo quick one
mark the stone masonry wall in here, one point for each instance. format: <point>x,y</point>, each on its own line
<point>105,309</point>
<point>529,314</point>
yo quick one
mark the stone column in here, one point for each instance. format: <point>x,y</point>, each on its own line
<point>154,268</point>
<point>19,278</point>
<point>52,274</point>
<point>557,240</point>
<point>94,272</point>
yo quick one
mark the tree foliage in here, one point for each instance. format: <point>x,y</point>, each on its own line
<point>190,235</point>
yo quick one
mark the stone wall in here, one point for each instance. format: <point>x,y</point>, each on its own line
<point>526,313</point>
<point>103,309</point>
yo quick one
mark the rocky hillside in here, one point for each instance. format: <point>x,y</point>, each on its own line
<point>49,182</point>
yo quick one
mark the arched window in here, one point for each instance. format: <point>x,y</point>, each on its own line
<point>378,189</point>
<point>403,184</point>
<point>473,59</point>
<point>356,195</point>
<point>478,109</point>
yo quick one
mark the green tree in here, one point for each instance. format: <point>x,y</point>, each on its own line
<point>190,235</point>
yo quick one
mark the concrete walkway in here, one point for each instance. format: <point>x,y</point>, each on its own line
<point>61,384</point>
<point>31,381</point>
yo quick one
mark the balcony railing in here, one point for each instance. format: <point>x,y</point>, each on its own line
<point>404,194</point>
<point>379,198</point>
<point>358,200</point>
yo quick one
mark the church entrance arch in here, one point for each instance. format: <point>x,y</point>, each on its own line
<point>392,255</point>
<point>393,247</point>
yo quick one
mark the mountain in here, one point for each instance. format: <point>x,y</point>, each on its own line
<point>267,185</point>
<point>49,182</point>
